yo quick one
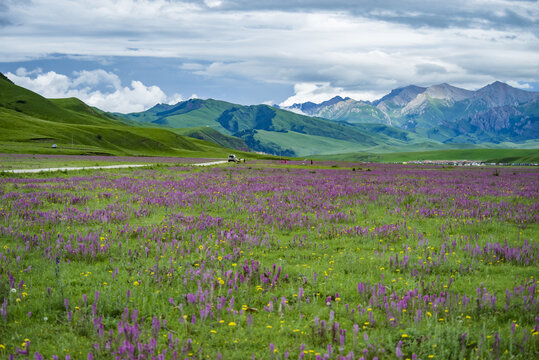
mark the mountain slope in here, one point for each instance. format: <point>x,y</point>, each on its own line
<point>31,123</point>
<point>494,113</point>
<point>214,136</point>
<point>21,100</point>
<point>190,113</point>
<point>250,122</point>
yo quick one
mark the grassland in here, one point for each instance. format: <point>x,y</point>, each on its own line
<point>486,155</point>
<point>274,261</point>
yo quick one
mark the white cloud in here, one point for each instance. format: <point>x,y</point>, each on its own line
<point>518,84</point>
<point>213,3</point>
<point>84,84</point>
<point>354,46</point>
<point>318,93</point>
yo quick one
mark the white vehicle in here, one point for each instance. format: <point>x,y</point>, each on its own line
<point>233,158</point>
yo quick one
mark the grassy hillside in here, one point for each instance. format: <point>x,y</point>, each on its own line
<point>186,114</point>
<point>244,122</point>
<point>31,123</point>
<point>24,133</point>
<point>210,134</point>
<point>24,101</point>
<point>304,144</point>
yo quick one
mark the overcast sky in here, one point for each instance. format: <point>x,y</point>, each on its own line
<point>127,55</point>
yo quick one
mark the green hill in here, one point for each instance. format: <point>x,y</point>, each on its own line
<point>261,127</point>
<point>70,111</point>
<point>210,134</point>
<point>32,123</point>
<point>186,114</point>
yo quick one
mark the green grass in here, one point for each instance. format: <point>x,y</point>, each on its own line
<point>485,155</point>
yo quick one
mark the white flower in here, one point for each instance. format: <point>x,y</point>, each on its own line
<point>45,318</point>
<point>13,290</point>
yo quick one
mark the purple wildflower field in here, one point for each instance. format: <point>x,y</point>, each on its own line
<point>270,261</point>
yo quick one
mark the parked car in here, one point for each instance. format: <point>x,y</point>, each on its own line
<point>233,158</point>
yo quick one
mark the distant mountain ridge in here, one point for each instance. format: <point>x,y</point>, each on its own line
<point>497,112</point>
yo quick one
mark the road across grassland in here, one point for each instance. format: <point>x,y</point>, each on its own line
<point>27,171</point>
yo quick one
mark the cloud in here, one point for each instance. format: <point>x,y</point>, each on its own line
<point>97,88</point>
<point>519,85</point>
<point>318,93</point>
<point>359,46</point>
<point>213,3</point>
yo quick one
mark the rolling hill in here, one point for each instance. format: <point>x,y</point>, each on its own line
<point>32,123</point>
<point>276,131</point>
<point>210,134</point>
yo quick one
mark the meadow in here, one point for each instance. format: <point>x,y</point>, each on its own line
<point>266,260</point>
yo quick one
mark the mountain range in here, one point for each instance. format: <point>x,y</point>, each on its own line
<point>495,113</point>
<point>408,118</point>
<point>411,118</point>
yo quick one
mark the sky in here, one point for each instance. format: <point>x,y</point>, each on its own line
<point>128,55</point>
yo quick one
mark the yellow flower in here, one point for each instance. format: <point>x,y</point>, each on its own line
<point>136,283</point>
<point>232,323</point>
<point>201,247</point>
<point>213,331</point>
<point>404,335</point>
<point>2,346</point>
<point>269,326</point>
